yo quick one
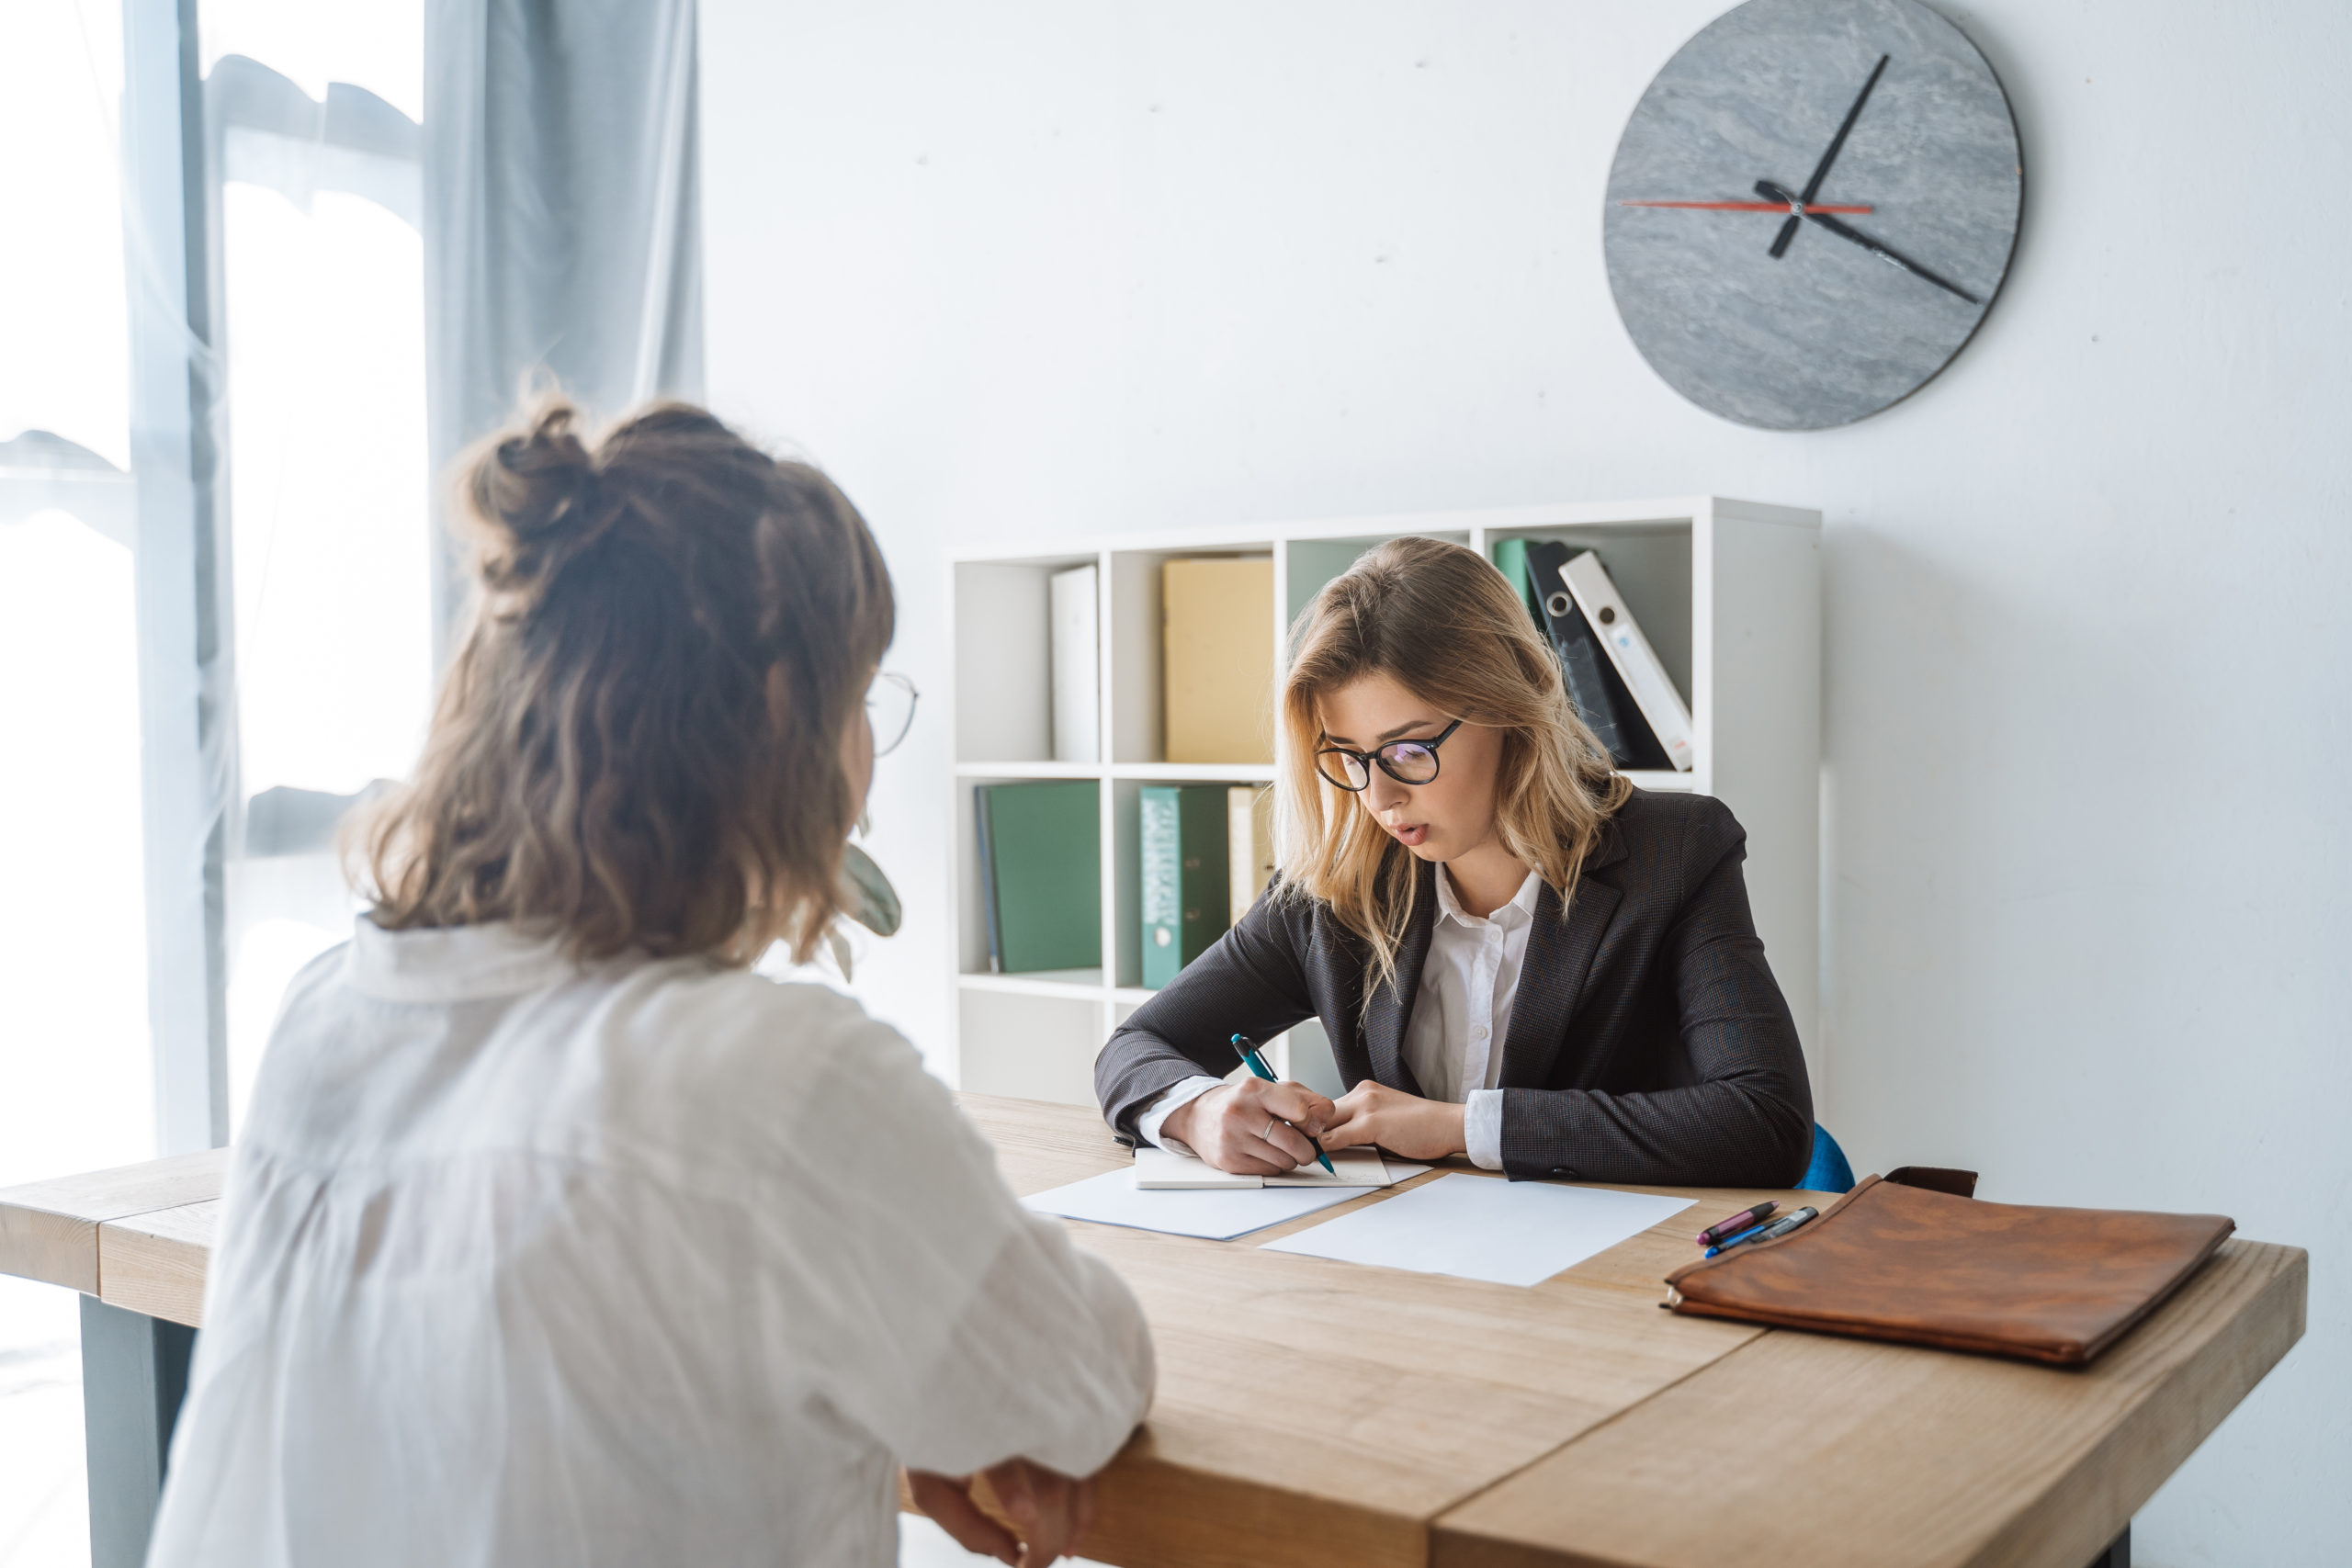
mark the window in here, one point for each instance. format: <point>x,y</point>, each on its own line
<point>316,271</point>
<point>73,1041</point>
<point>322,333</point>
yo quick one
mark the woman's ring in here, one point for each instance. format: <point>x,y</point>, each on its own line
<point>1268,1136</point>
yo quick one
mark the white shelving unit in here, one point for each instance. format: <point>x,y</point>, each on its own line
<point>1728,592</point>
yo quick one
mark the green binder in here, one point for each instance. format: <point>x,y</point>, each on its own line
<point>1186,902</point>
<point>1044,883</point>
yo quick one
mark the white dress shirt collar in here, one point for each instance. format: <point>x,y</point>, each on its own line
<point>1521,910</point>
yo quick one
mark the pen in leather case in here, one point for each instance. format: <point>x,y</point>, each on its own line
<point>1773,1231</point>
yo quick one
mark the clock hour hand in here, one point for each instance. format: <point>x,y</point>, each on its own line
<point>1821,170</point>
<point>1846,231</point>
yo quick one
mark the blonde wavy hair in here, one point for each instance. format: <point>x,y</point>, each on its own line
<point>1443,623</point>
<point>638,745</point>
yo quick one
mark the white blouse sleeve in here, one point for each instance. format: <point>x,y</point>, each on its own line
<point>1153,1117</point>
<point>956,1327</point>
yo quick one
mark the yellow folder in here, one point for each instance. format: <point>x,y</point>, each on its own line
<point>1217,618</point>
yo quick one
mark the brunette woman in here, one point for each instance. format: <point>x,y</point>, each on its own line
<point>554,1235</point>
<point>1516,954</point>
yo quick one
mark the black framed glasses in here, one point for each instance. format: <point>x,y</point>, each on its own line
<point>890,709</point>
<point>1406,762</point>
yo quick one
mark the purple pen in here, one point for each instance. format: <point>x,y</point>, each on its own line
<point>1746,1219</point>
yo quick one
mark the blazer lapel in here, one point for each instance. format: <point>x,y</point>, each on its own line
<point>1392,1006</point>
<point>1552,976</point>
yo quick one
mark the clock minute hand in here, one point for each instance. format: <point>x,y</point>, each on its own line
<point>1845,231</point>
<point>1821,170</point>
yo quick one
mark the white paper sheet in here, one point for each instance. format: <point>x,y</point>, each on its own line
<point>1482,1227</point>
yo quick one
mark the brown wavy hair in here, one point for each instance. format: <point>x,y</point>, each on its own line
<point>638,745</point>
<point>1446,625</point>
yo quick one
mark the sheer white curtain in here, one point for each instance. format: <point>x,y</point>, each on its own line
<point>562,219</point>
<point>314,158</point>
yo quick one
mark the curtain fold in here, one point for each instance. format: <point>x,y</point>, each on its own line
<point>562,224</point>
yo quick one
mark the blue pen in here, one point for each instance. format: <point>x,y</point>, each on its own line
<point>1731,1241</point>
<point>1257,1065</point>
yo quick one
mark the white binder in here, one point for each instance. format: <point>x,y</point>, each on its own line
<point>1077,663</point>
<point>1630,651</point>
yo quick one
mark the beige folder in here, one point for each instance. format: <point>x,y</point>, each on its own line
<point>1217,618</point>
<point>1250,846</point>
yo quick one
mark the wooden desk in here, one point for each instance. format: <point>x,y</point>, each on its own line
<point>1398,1418</point>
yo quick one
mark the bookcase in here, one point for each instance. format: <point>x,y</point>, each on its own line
<point>1728,592</point>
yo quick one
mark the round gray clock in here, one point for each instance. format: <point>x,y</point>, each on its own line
<point>1812,210</point>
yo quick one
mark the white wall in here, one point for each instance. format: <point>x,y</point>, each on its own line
<point>1029,269</point>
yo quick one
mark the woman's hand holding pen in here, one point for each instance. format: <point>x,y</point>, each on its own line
<point>1402,1124</point>
<point>1253,1127</point>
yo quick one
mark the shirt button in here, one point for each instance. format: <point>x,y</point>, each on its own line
<point>1494,933</point>
<point>1479,1033</point>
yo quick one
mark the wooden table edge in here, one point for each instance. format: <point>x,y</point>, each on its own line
<point>146,1269</point>
<point>49,1234</point>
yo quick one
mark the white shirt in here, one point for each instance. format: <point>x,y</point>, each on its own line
<point>1453,1042</point>
<point>653,1262</point>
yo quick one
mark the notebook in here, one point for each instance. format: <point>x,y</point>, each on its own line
<point>1170,1171</point>
<point>1890,1261</point>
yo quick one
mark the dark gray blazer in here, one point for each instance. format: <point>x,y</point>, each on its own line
<point>1648,1041</point>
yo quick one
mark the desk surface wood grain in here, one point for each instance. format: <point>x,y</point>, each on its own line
<point>1314,1412</point>
<point>1311,1411</point>
<point>1805,1449</point>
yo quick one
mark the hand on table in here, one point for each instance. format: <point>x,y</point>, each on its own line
<point>1402,1124</point>
<point>1048,1511</point>
<point>1238,1127</point>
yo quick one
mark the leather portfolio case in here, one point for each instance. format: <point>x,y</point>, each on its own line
<point>1921,1266</point>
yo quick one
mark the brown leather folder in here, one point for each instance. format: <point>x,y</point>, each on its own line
<point>1889,1261</point>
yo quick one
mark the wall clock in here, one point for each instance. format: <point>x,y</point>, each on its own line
<point>1812,208</point>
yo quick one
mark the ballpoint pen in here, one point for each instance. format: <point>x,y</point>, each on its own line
<point>1746,1219</point>
<point>1256,1063</point>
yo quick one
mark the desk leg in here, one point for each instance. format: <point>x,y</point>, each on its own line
<point>2117,1553</point>
<point>134,1373</point>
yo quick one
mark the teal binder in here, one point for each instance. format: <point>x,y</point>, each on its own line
<point>1044,879</point>
<point>1186,876</point>
<point>1511,559</point>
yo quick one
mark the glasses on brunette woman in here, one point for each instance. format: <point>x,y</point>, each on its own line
<point>890,709</point>
<point>1406,762</point>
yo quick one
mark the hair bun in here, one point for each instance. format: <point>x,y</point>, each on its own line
<point>538,480</point>
<point>536,494</point>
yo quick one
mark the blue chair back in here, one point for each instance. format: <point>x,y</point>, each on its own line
<point>1828,1172</point>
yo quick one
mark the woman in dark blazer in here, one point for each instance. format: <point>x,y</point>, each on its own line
<point>1516,954</point>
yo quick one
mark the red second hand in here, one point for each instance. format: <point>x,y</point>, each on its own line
<point>1745,206</point>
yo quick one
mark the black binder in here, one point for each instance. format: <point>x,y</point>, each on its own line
<point>1594,685</point>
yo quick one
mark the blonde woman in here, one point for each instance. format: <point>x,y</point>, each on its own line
<point>1518,956</point>
<point>554,1235</point>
